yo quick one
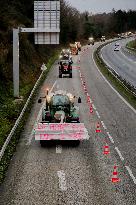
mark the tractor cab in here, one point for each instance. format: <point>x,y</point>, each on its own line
<point>65,68</point>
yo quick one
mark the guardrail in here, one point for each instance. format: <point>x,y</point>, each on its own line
<point>19,118</point>
<point>130,50</point>
<point>124,83</point>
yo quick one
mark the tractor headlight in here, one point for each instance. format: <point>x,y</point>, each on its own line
<point>48,98</point>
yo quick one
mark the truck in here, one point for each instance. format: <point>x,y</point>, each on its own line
<point>78,45</point>
<point>103,39</point>
<point>91,41</point>
<point>65,67</point>
<point>60,120</point>
<point>73,49</point>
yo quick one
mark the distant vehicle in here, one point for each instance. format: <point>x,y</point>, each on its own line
<point>103,39</point>
<point>65,67</point>
<point>78,45</point>
<point>73,49</point>
<point>119,35</point>
<point>116,46</point>
<point>123,35</point>
<point>91,41</point>
<point>66,55</point>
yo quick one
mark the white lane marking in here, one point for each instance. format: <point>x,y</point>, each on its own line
<point>94,107</point>
<point>57,86</point>
<point>58,149</point>
<point>108,63</point>
<point>97,113</point>
<point>110,137</point>
<point>104,125</point>
<point>62,180</point>
<point>114,88</point>
<point>127,57</point>
<point>131,174</point>
<point>38,117</point>
<point>119,153</point>
<point>53,86</point>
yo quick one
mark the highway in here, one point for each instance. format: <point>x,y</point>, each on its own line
<point>65,175</point>
<point>123,62</point>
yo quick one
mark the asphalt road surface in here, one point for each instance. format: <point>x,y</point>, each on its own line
<point>123,61</point>
<point>59,175</point>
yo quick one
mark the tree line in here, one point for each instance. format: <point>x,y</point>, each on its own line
<point>76,25</point>
<point>73,24</point>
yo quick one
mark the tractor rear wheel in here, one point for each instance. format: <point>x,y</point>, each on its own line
<point>60,74</point>
<point>70,75</point>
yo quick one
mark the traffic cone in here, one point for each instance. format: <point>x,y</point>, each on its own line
<point>85,89</point>
<point>91,109</point>
<point>106,149</point>
<point>98,128</point>
<point>115,177</point>
<point>88,99</point>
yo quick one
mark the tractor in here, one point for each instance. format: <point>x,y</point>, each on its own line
<point>65,67</point>
<point>58,105</point>
<point>59,110</point>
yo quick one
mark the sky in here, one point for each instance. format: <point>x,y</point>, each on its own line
<point>100,6</point>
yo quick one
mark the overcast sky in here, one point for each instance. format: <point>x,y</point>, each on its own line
<point>98,6</point>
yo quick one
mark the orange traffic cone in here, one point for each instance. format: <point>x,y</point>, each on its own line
<point>98,128</point>
<point>106,149</point>
<point>85,90</point>
<point>115,177</point>
<point>88,99</point>
<point>91,109</point>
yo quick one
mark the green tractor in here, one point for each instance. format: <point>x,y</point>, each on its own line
<point>60,108</point>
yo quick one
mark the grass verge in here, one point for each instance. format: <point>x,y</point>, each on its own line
<point>123,87</point>
<point>132,46</point>
<point>11,148</point>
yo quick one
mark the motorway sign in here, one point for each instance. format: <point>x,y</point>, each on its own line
<point>47,16</point>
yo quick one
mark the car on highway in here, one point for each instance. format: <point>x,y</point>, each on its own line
<point>91,41</point>
<point>103,39</point>
<point>116,46</point>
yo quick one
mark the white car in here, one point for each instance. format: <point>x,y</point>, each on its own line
<point>116,47</point>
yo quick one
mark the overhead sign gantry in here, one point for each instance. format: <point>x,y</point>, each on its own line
<point>46,29</point>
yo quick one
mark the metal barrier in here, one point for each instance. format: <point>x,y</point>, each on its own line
<point>117,76</point>
<point>19,118</point>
